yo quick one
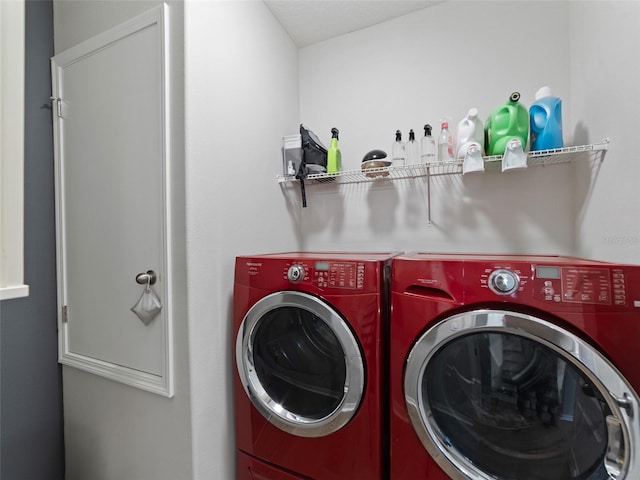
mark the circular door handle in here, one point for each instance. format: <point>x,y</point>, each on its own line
<point>148,278</point>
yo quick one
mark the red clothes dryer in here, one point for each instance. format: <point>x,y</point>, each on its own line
<point>311,392</point>
<point>514,367</point>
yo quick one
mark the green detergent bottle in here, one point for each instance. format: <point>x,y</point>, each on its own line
<point>334,157</point>
<point>507,122</point>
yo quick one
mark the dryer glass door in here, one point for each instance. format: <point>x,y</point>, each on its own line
<point>500,395</point>
<point>300,364</point>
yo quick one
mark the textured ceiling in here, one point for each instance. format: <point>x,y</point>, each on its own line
<point>312,21</point>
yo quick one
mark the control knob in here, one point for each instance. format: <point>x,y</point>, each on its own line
<point>503,282</point>
<point>295,274</point>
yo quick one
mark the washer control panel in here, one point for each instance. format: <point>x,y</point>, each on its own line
<point>568,284</point>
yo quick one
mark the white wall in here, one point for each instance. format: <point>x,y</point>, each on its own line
<point>113,431</point>
<point>241,98</point>
<point>605,87</point>
<point>418,69</point>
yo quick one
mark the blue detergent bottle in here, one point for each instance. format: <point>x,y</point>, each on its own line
<point>545,116</point>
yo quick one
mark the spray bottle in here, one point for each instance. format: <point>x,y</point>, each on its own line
<point>412,149</point>
<point>334,157</point>
<point>398,151</point>
<point>427,146</point>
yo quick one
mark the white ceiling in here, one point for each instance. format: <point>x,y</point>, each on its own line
<point>312,21</point>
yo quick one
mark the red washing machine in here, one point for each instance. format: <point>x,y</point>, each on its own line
<point>311,392</point>
<point>514,367</point>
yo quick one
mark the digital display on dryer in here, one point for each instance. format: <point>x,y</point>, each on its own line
<point>547,272</point>
<point>322,266</point>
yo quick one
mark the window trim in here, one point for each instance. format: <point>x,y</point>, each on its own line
<point>12,49</point>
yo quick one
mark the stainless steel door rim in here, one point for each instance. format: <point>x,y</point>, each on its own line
<point>275,411</point>
<point>621,459</point>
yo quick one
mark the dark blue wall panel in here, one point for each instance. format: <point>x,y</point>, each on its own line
<point>31,427</point>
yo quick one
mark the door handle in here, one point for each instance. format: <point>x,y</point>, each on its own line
<point>148,278</point>
<point>616,450</point>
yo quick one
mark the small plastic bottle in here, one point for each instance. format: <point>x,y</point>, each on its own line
<point>334,156</point>
<point>398,154</point>
<point>412,149</point>
<point>291,171</point>
<point>445,144</point>
<point>427,146</point>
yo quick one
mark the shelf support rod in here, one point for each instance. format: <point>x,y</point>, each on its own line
<point>429,195</point>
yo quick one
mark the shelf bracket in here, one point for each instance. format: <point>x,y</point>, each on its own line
<point>514,156</point>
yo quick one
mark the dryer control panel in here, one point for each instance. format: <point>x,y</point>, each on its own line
<point>580,284</point>
<point>328,274</point>
<point>316,272</point>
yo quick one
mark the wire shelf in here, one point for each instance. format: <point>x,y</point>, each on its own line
<point>540,157</point>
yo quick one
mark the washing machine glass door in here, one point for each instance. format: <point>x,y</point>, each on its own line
<point>300,364</point>
<point>501,395</point>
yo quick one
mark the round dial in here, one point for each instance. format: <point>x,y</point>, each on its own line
<point>295,274</point>
<point>503,282</point>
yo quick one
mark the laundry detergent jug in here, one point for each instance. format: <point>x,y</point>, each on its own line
<point>470,133</point>
<point>545,115</point>
<point>508,122</point>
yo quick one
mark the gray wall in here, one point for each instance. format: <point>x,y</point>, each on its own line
<point>30,391</point>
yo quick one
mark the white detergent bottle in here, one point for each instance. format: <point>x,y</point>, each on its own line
<point>470,132</point>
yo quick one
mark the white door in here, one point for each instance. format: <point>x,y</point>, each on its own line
<point>110,117</point>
